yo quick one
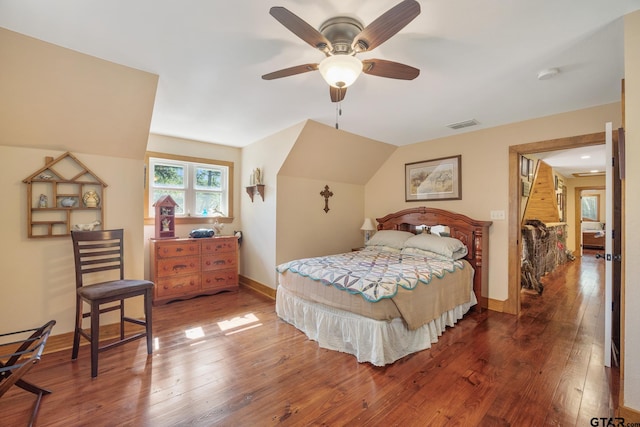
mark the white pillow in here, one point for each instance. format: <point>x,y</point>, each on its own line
<point>445,246</point>
<point>391,238</point>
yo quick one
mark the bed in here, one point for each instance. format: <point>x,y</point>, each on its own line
<point>592,235</point>
<point>397,295</point>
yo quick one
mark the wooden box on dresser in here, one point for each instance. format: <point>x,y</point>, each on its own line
<point>184,268</point>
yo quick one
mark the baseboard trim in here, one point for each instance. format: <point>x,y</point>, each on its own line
<point>495,305</point>
<point>257,286</point>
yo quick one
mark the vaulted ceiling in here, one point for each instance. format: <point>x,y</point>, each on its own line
<point>478,59</point>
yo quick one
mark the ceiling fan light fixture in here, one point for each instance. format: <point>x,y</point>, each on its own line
<point>340,70</point>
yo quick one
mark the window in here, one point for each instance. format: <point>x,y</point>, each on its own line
<point>591,207</point>
<point>201,187</point>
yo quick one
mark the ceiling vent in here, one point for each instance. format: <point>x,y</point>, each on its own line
<point>464,124</point>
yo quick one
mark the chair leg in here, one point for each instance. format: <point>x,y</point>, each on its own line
<point>122,316</point>
<point>95,338</point>
<point>148,317</point>
<point>76,332</point>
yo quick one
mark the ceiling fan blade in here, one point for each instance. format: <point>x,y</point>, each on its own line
<point>386,25</point>
<point>389,69</point>
<point>337,93</point>
<point>291,71</point>
<point>300,28</point>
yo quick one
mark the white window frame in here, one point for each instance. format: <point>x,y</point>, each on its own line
<point>190,166</point>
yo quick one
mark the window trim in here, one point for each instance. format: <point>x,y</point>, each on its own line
<point>149,220</point>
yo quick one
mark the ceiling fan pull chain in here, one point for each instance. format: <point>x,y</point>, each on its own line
<point>338,113</point>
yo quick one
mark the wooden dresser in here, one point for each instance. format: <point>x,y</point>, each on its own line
<point>184,268</point>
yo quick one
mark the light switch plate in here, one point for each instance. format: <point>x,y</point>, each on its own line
<point>497,215</point>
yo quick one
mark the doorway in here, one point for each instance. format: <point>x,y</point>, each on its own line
<point>589,218</point>
<point>512,304</point>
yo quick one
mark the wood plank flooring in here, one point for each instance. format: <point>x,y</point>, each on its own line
<point>227,360</point>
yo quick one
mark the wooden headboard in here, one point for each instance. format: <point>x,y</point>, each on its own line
<point>473,233</point>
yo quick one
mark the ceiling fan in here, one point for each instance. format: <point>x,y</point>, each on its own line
<point>341,38</point>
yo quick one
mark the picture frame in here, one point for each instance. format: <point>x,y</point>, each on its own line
<point>524,167</point>
<point>436,179</point>
<point>531,170</point>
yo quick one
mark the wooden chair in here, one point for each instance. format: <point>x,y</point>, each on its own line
<point>96,252</point>
<point>14,365</point>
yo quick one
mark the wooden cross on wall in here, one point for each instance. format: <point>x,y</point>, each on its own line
<point>326,194</point>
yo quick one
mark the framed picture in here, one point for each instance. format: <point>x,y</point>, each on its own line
<point>437,179</point>
<point>524,166</point>
<point>560,198</point>
<point>531,170</point>
<point>526,188</point>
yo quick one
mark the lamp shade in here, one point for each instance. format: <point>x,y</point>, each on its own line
<point>340,70</point>
<point>367,225</point>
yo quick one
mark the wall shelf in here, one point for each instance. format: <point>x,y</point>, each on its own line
<point>56,205</point>
<point>252,190</point>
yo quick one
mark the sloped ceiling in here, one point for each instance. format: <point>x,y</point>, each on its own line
<point>324,153</point>
<point>52,97</point>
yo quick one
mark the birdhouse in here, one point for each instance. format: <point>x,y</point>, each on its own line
<point>165,217</point>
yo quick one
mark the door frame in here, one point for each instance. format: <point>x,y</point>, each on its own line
<point>512,304</point>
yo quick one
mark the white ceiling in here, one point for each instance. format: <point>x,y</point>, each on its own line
<point>576,160</point>
<point>478,59</point>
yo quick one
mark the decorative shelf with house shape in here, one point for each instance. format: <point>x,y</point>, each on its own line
<point>165,217</point>
<point>56,195</point>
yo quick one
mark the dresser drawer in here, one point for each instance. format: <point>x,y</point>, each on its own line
<point>167,267</point>
<point>177,286</point>
<point>220,279</point>
<point>170,250</point>
<point>219,244</point>
<point>219,261</point>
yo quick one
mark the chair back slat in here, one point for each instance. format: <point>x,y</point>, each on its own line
<point>97,251</point>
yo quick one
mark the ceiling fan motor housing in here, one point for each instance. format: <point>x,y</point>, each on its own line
<point>341,31</point>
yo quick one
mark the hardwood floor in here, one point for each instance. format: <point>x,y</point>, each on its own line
<point>228,360</point>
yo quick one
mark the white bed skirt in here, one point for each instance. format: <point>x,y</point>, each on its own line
<point>374,341</point>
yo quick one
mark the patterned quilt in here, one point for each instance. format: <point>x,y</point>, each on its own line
<point>372,274</point>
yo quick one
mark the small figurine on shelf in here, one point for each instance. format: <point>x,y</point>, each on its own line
<point>67,202</point>
<point>91,199</point>
<point>166,223</point>
<point>42,202</point>
<point>87,227</point>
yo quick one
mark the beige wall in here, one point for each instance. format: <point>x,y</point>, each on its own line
<point>38,282</point>
<point>306,230</point>
<point>631,299</point>
<point>56,100</point>
<point>259,227</point>
<point>290,223</point>
<point>485,167</point>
